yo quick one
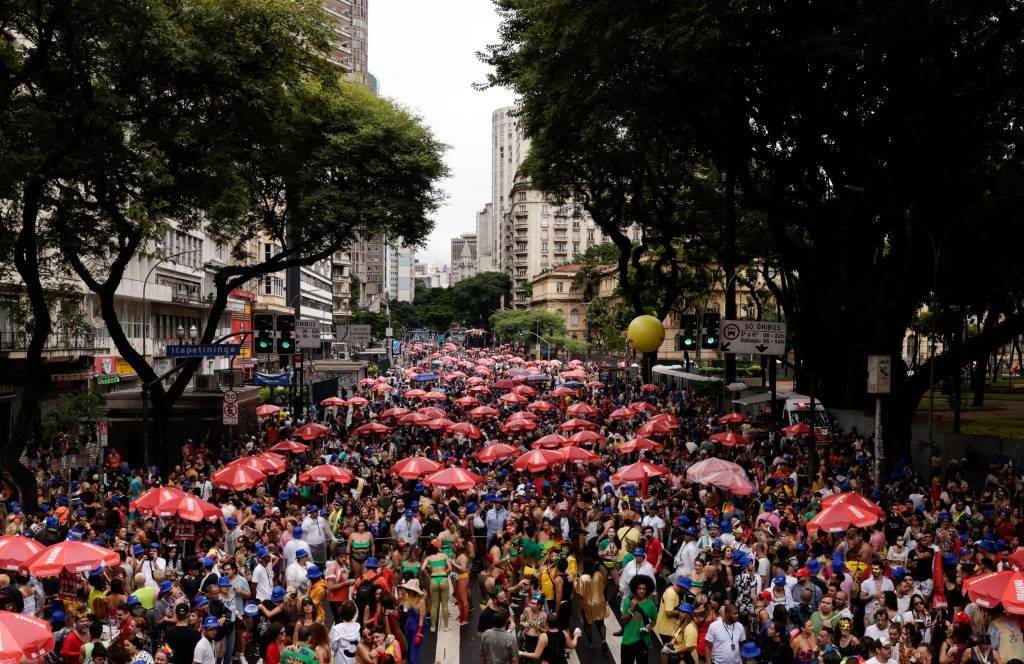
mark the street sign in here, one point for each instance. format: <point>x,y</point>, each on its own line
<point>353,334</point>
<point>230,396</point>
<point>308,333</point>
<point>230,413</point>
<point>203,350</point>
<point>752,336</point>
<point>879,374</point>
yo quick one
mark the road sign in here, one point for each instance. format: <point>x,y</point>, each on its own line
<point>203,350</point>
<point>308,333</point>
<point>230,413</point>
<point>353,334</point>
<point>879,374</point>
<point>752,336</point>
<point>230,396</point>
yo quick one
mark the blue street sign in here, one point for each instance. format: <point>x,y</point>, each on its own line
<point>204,350</point>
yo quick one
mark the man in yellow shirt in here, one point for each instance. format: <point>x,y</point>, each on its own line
<point>684,639</point>
<point>668,614</point>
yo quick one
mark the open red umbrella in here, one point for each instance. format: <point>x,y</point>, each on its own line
<point>513,398</point>
<point>439,423</point>
<point>333,401</point>
<point>623,413</point>
<point>147,501</point>
<point>16,551</point>
<point>381,388</point>
<point>467,402</point>
<point>595,385</point>
<point>701,470</point>
<point>639,472</point>
<point>581,410</point>
<point>586,437</point>
<point>480,389</point>
<point>311,431</point>
<point>797,429</point>
<point>189,508</point>
<point>574,454</point>
<point>515,425</point>
<point>465,429</point>
<point>504,384</point>
<point>537,460</point>
<point>524,391</point>
<point>562,392</point>
<point>856,499</point>
<point>732,418</point>
<point>415,419</point>
<point>496,452</point>
<point>371,429</point>
<point>649,387</point>
<point>293,446</point>
<point>729,438</point>
<point>523,415</point>
<point>266,410</point>
<point>576,424</point>
<point>574,374</point>
<point>453,478</point>
<point>655,429</point>
<point>433,396</point>
<point>666,419</point>
<point>357,401</point>
<point>412,468</point>
<point>643,407</point>
<point>839,517</point>
<point>638,444</point>
<point>432,411</point>
<point>481,412</point>
<point>1017,558</point>
<point>474,380</point>
<point>24,638</point>
<point>265,462</point>
<point>71,556</point>
<point>541,406</point>
<point>414,393</point>
<point>326,473</point>
<point>995,588</point>
<point>395,413</point>
<point>237,477</point>
<point>731,481</point>
<point>551,442</point>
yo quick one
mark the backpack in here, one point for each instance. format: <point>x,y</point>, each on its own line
<point>364,593</point>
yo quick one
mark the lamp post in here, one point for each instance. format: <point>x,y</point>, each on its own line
<point>539,339</point>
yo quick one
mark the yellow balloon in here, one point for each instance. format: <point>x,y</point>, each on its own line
<point>646,333</point>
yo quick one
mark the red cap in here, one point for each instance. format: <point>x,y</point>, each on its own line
<point>802,572</point>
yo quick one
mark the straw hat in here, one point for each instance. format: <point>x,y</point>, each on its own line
<point>413,585</point>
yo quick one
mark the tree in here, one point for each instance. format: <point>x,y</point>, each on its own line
<point>520,325</point>
<point>404,315</point>
<point>378,322</point>
<point>480,296</point>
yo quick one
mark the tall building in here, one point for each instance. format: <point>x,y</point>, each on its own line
<point>508,151</point>
<point>349,44</point>
<point>464,257</point>
<point>368,270</point>
<point>432,275</point>
<point>485,246</point>
<point>398,270</point>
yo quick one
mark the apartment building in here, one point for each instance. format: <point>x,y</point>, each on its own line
<point>348,49</point>
<point>485,250</point>
<point>552,290</point>
<point>432,275</point>
<point>399,262</point>
<point>464,257</point>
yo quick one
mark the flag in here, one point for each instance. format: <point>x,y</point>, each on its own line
<point>939,579</point>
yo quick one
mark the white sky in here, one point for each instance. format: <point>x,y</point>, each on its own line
<point>423,53</point>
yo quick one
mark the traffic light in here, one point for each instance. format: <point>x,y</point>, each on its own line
<point>285,333</point>
<point>709,335</point>
<point>263,340</point>
<point>688,329</point>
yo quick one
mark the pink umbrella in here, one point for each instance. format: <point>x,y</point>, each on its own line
<point>453,478</point>
<point>16,551</point>
<point>293,446</point>
<point>147,502</point>
<point>595,385</point>
<point>266,410</point>
<point>736,483</point>
<point>357,401</point>
<point>412,468</point>
<point>550,441</point>
<point>326,473</point>
<point>24,638</point>
<point>701,470</point>
<point>622,414</point>
<point>465,429</point>
<point>71,556</point>
<point>537,460</point>
<point>237,477</point>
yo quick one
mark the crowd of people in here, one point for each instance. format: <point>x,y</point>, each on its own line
<point>535,561</point>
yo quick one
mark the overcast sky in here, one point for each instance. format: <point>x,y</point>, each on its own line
<point>423,52</point>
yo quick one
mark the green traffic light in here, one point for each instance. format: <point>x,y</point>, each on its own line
<point>287,345</point>
<point>688,342</point>
<point>711,340</point>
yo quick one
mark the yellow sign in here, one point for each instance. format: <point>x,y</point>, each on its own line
<point>123,368</point>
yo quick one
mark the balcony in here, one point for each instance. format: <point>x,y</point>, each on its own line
<point>521,214</point>
<point>58,341</point>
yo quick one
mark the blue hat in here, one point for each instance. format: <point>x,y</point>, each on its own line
<point>725,526</point>
<point>750,651</point>
<point>899,572</point>
<point>639,551</point>
<point>681,520</point>
<point>62,501</point>
<point>165,587</point>
<point>224,581</point>
<point>740,559</point>
<point>261,551</point>
<point>154,545</point>
<point>93,573</point>
<point>277,594</point>
<point>301,553</point>
<point>813,566</point>
<point>44,506</point>
<point>283,496</point>
<point>186,485</point>
<point>115,500</point>
<point>51,522</point>
<point>768,506</point>
<point>231,521</point>
<point>313,572</point>
<point>779,580</point>
<point>137,549</point>
<point>371,563</point>
<point>210,622</point>
<point>985,545</point>
<point>202,600</point>
<point>133,600</point>
<point>409,513</point>
<point>691,531</point>
<point>312,508</point>
<point>297,531</point>
<point>801,546</point>
<point>251,609</point>
<point>418,488</point>
<point>324,512</point>
<point>944,516</point>
<point>716,544</point>
<point>256,507</point>
<point>685,607</point>
<point>208,562</point>
<point>57,617</point>
<point>684,582</point>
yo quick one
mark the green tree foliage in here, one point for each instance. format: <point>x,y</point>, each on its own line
<point>378,322</point>
<point>436,308</point>
<point>608,323</point>
<point>516,325</point>
<point>404,316</point>
<point>70,413</point>
<point>480,296</point>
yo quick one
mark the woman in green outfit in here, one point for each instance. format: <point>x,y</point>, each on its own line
<point>638,613</point>
<point>360,547</point>
<point>438,565</point>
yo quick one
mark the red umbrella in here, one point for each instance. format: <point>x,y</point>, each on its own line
<point>839,517</point>
<point>333,401</point>
<point>581,410</point>
<point>649,387</point>
<point>453,478</point>
<point>655,429</point>
<point>733,482</point>
<point>537,460</point>
<point>595,384</point>
<point>643,407</point>
<point>292,446</point>
<point>189,508</point>
<point>148,501</point>
<point>265,462</point>
<point>464,428</point>
<point>515,425</point>
<point>395,413</point>
<point>701,470</point>
<point>480,389</point>
<point>481,412</point>
<point>326,473</point>
<point>729,438</point>
<point>474,380</point>
<point>848,498</point>
<point>371,429</point>
<point>496,452</point>
<point>513,398</point>
<point>665,418</point>
<point>586,437</point>
<point>797,429</point>
<point>357,401</point>
<point>732,418</point>
<point>1017,558</point>
<point>24,638</point>
<point>416,419</point>
<point>311,431</point>
<point>525,391</point>
<point>504,384</point>
<point>237,477</point>
<point>467,402</point>
<point>639,472</point>
<point>577,455</point>
<point>638,444</point>
<point>366,382</point>
<point>16,551</point>
<point>412,468</point>
<point>433,412</point>
<point>71,556</point>
<point>551,441</point>
<point>433,396</point>
<point>414,393</point>
<point>562,392</point>
<point>523,415</point>
<point>576,424</point>
<point>622,414</point>
<point>439,423</point>
<point>266,410</point>
<point>574,374</point>
<point>995,588</point>
<point>541,406</point>
<point>381,388</point>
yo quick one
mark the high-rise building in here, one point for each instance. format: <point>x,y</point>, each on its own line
<point>349,44</point>
<point>432,275</point>
<point>464,257</point>
<point>508,151</point>
<point>485,247</point>
<point>398,271</point>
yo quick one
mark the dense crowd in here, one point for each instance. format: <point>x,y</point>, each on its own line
<point>533,554</point>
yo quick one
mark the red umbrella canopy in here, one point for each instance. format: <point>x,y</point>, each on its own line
<point>797,429</point>
<point>701,470</point>
<point>839,517</point>
<point>467,402</point>
<point>729,438</point>
<point>623,413</point>
<point>433,411</point>
<point>995,588</point>
<point>551,441</point>
<point>480,389</point>
<point>586,437</point>
<point>414,393</point>
<point>357,401</point>
<point>433,396</point>
<point>581,410</point>
<point>504,384</point>
<point>541,406</point>
<point>513,398</point>
<point>643,407</point>
<point>733,482</point>
<point>24,637</point>
<point>474,380</point>
<point>326,473</point>
<point>537,460</point>
<point>333,401</point>
<point>189,508</point>
<point>71,556</point>
<point>293,446</point>
<point>595,384</point>
<point>412,468</point>
<point>496,452</point>
<point>266,462</point>
<point>311,431</point>
<point>371,429</point>
<point>573,454</point>
<point>1017,558</point>
<point>481,412</point>
<point>574,374</point>
<point>16,551</point>
<point>515,425</point>
<point>525,391</point>
<point>455,375</point>
<point>366,382</point>
<point>381,388</point>
<point>667,419</point>
<point>266,410</point>
<point>562,392</point>
<point>638,444</point>
<point>732,418</point>
<point>237,477</point>
<point>439,423</point>
<point>465,429</point>
<point>453,478</point>
<point>848,498</point>
<point>523,415</point>
<point>637,472</point>
<point>576,424</point>
<point>655,429</point>
<point>147,502</point>
<point>395,413</point>
<point>649,387</point>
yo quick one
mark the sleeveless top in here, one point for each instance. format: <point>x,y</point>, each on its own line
<point>554,651</point>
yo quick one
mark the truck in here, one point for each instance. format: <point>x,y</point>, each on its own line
<point>797,409</point>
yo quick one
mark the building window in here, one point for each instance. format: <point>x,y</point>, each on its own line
<point>590,237</point>
<point>575,247</point>
<point>559,286</point>
<point>559,247</point>
<point>544,209</point>
<point>576,224</point>
<point>544,246</point>
<point>574,318</point>
<point>521,197</point>
<point>522,209</point>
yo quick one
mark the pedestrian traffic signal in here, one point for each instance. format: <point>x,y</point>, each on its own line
<point>688,327</point>
<point>285,333</point>
<point>263,340</point>
<point>709,335</point>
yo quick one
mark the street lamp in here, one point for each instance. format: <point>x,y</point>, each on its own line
<point>539,339</point>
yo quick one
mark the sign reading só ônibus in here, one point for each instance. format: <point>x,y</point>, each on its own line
<point>752,336</point>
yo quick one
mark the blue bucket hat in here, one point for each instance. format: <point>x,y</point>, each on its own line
<point>133,601</point>
<point>779,580</point>
<point>297,531</point>
<point>277,594</point>
<point>202,600</point>
<point>209,622</point>
<point>165,587</point>
<point>750,651</point>
<point>371,563</point>
<point>313,572</point>
<point>138,549</point>
<point>251,609</point>
<point>208,563</point>
<point>261,551</point>
<point>224,582</point>
<point>813,566</point>
<point>301,553</point>
<point>57,617</point>
<point>231,521</point>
